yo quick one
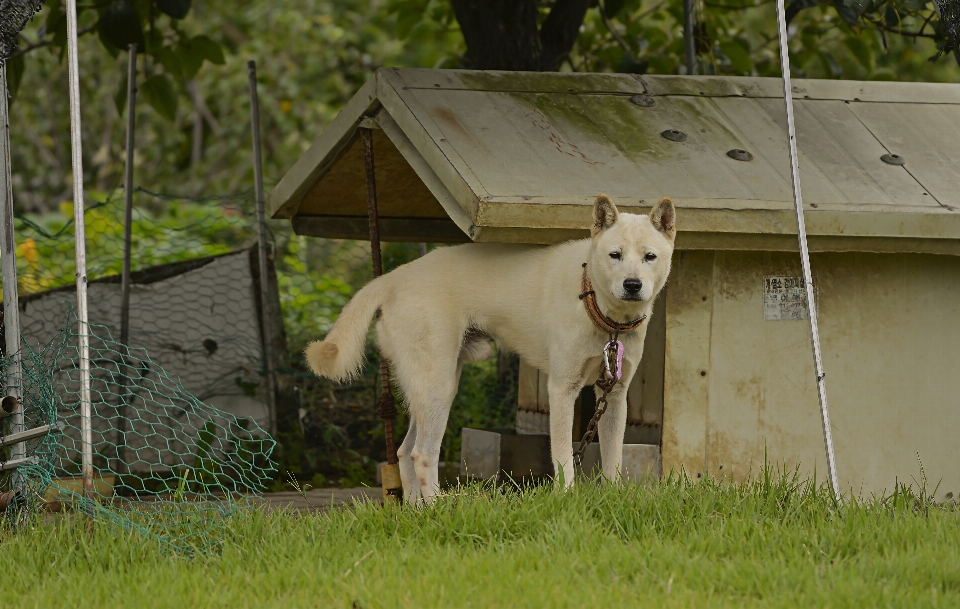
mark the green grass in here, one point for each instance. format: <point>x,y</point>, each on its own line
<point>769,543</point>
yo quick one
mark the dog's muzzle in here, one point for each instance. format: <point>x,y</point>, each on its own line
<point>632,288</point>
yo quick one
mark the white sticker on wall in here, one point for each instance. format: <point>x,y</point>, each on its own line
<point>784,298</point>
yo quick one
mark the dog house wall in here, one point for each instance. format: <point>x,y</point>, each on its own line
<point>519,157</point>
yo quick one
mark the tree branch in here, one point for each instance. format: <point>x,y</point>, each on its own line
<point>559,31</point>
<point>895,30</point>
<point>616,36</point>
<point>45,42</point>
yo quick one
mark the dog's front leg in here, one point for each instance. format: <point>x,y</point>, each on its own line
<point>563,393</point>
<point>611,428</point>
<point>613,424</point>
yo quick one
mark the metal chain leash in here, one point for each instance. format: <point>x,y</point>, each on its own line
<point>608,378</point>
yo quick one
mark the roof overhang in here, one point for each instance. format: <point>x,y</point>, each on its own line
<point>519,157</point>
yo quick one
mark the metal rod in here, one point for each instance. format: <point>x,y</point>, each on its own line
<point>128,194</point>
<point>262,249</point>
<point>689,35</point>
<point>387,408</point>
<point>805,253</point>
<point>83,330</point>
<point>121,440</point>
<point>373,218</point>
<point>15,463</point>
<point>8,247</point>
<point>30,434</point>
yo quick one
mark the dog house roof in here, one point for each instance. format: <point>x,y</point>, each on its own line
<point>520,157</point>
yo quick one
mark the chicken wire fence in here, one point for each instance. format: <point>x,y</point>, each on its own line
<point>181,411</point>
<point>165,464</point>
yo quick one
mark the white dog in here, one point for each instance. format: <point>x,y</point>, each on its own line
<point>441,310</point>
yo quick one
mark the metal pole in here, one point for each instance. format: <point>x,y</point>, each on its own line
<point>8,247</point>
<point>689,35</point>
<point>386,410</point>
<point>262,250</point>
<point>128,194</point>
<point>127,239</point>
<point>805,253</point>
<point>83,329</point>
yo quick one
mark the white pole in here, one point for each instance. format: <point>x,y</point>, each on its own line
<point>83,329</point>
<point>8,247</point>
<point>805,253</point>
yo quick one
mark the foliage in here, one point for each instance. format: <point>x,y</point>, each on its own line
<point>770,542</point>
<point>875,39</point>
<point>179,230</point>
<point>312,56</point>
<point>172,56</point>
<point>739,37</point>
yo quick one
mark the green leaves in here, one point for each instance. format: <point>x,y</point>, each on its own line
<point>14,74</point>
<point>119,25</point>
<point>159,92</point>
<point>739,56</point>
<point>120,97</point>
<point>612,7</point>
<point>849,10</point>
<point>798,5</point>
<point>862,51</point>
<point>177,9</point>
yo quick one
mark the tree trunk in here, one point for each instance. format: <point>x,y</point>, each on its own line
<point>503,34</point>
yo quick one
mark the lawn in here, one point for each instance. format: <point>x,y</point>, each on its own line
<point>773,542</point>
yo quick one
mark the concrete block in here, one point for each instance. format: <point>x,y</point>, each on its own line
<point>503,453</point>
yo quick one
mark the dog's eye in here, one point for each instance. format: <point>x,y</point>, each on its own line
<point>650,256</point>
<point>615,255</point>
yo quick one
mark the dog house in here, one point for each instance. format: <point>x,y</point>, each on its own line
<point>727,379</point>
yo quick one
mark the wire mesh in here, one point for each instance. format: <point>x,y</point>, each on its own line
<point>165,464</point>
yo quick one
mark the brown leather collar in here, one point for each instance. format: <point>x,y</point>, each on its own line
<point>600,320</point>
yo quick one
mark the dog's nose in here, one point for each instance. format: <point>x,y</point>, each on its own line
<point>632,285</point>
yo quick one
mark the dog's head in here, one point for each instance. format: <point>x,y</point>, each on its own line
<point>630,257</point>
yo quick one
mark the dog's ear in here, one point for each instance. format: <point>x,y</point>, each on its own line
<point>663,216</point>
<point>604,215</point>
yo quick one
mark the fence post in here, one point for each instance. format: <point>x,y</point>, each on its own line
<point>80,252</point>
<point>127,238</point>
<point>805,252</point>
<point>386,409</point>
<point>8,246</point>
<point>262,250</point>
<point>689,35</point>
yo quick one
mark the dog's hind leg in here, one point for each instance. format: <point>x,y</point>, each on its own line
<point>429,398</point>
<point>429,384</point>
<point>408,475</point>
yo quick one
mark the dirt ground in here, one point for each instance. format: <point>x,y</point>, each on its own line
<point>321,498</point>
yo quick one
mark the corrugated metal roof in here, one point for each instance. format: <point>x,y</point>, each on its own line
<point>504,156</point>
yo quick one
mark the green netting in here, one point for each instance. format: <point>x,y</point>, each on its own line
<point>39,405</point>
<point>165,464</point>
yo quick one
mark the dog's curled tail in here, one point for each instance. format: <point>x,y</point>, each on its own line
<point>340,354</point>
